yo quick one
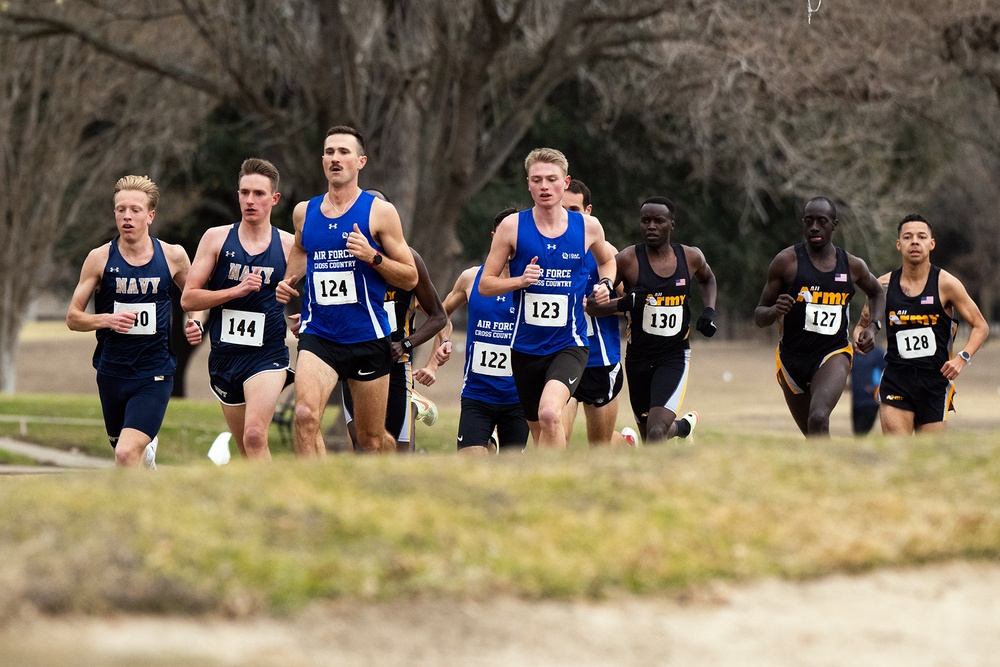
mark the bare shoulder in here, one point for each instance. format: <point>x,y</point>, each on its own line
<point>174,252</point>
<point>287,238</point>
<point>950,286</point>
<point>96,260</point>
<point>299,214</point>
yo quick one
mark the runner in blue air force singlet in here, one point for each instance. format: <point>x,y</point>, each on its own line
<point>145,350</point>
<point>550,314</point>
<point>343,299</point>
<point>488,375</point>
<point>603,333</point>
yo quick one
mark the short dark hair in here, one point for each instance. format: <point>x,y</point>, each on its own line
<point>347,129</point>
<point>913,217</point>
<point>827,201</point>
<point>663,201</point>
<point>576,186</point>
<point>498,218</point>
<point>256,165</point>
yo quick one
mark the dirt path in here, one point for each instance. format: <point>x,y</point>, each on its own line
<point>944,615</point>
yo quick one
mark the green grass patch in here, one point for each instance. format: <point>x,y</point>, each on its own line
<point>247,539</point>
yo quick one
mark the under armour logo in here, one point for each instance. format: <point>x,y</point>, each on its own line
<point>230,253</point>
<point>550,246</point>
<point>501,298</point>
<point>332,226</point>
<point>113,269</point>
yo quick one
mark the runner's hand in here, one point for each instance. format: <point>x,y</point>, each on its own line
<point>706,323</point>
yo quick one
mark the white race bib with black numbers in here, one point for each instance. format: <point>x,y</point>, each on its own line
<point>145,321</point>
<point>335,288</point>
<point>390,310</point>
<point>546,310</point>
<point>241,327</point>
<point>490,359</point>
<point>916,343</point>
<point>823,318</point>
<point>662,320</point>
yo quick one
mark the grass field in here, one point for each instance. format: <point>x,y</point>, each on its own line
<point>750,498</point>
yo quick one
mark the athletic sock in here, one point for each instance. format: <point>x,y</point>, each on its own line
<point>683,428</point>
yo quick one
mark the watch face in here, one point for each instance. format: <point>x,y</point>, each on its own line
<point>378,259</point>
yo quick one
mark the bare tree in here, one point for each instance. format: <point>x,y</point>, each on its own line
<point>444,88</point>
<point>69,119</point>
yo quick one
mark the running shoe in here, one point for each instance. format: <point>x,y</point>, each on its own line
<point>692,419</point>
<point>631,437</point>
<point>149,460</point>
<point>427,411</point>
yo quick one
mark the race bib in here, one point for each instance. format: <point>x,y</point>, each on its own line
<point>334,288</point>
<point>916,343</point>
<point>390,310</point>
<point>546,310</point>
<point>823,318</point>
<point>490,359</point>
<point>590,326</point>
<point>145,322</point>
<point>241,327</point>
<point>662,320</point>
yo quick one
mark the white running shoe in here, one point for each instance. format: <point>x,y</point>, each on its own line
<point>149,460</point>
<point>427,411</point>
<point>631,437</point>
<point>692,419</point>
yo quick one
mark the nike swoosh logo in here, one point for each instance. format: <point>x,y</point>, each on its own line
<point>364,373</point>
<point>572,380</point>
<point>460,438</point>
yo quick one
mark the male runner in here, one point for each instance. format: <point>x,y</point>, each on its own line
<point>489,396</point>
<point>401,306</point>
<point>603,377</point>
<point>235,272</point>
<point>921,302</point>
<point>808,292</point>
<point>656,276</point>
<point>130,280</point>
<point>546,245</point>
<point>350,245</point>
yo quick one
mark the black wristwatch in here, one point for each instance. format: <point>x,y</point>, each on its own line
<point>878,325</point>
<point>610,285</point>
<point>407,345</point>
<point>377,259</point>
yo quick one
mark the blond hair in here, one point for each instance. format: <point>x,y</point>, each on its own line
<point>141,184</point>
<point>547,155</point>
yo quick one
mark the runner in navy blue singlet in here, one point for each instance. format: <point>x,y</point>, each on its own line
<point>130,279</point>
<point>234,275</point>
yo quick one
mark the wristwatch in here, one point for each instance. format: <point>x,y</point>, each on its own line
<point>878,324</point>
<point>407,345</point>
<point>377,259</point>
<point>966,357</point>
